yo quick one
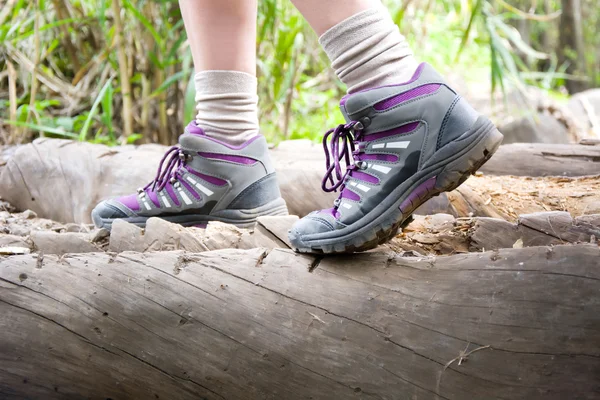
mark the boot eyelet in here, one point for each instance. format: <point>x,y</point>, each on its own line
<point>361,165</point>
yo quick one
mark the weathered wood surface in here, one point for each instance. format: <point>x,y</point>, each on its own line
<point>443,234</point>
<point>274,325</point>
<point>63,180</point>
<point>534,159</point>
<point>507,197</point>
<point>436,234</point>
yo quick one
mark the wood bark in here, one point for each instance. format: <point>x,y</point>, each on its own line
<point>517,323</point>
<point>535,159</point>
<point>441,234</point>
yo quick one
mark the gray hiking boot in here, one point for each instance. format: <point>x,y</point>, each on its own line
<point>203,180</point>
<point>409,142</point>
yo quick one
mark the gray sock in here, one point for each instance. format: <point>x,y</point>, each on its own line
<point>227,104</point>
<point>367,50</point>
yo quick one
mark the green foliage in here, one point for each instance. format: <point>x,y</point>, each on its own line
<point>63,58</point>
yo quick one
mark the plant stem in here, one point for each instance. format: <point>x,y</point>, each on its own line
<point>12,99</point>
<point>63,13</point>
<point>127,111</point>
<point>36,61</point>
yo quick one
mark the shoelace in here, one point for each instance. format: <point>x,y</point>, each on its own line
<point>175,159</point>
<point>345,139</point>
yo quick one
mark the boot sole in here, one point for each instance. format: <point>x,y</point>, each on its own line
<point>239,218</point>
<point>443,176</point>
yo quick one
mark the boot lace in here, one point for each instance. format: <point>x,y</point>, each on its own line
<point>345,142</point>
<point>174,162</point>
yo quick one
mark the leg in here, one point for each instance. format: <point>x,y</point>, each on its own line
<point>222,37</point>
<point>414,136</point>
<point>323,15</point>
<point>222,34</point>
<point>221,171</point>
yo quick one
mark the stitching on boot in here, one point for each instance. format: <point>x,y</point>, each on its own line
<point>445,122</point>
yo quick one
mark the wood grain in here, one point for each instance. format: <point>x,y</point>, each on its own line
<point>254,324</point>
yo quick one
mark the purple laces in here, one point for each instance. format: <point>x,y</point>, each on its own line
<point>176,160</point>
<point>349,135</point>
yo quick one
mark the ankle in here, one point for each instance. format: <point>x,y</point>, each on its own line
<point>227,104</point>
<point>367,50</point>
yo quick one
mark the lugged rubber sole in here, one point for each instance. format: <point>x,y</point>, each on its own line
<point>239,218</point>
<point>445,176</point>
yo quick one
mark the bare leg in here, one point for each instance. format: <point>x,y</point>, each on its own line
<point>222,34</point>
<point>222,37</point>
<point>324,14</point>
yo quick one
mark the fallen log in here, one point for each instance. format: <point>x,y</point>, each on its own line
<point>442,234</point>
<point>537,159</point>
<point>63,180</point>
<point>233,324</point>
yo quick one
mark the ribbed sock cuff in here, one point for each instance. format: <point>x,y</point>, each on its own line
<point>367,50</point>
<point>227,105</point>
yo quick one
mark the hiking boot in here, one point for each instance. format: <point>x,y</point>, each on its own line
<point>402,144</point>
<point>203,180</point>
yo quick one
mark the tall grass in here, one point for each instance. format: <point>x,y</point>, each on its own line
<point>118,71</point>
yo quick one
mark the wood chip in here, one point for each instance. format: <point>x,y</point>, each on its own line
<point>12,251</point>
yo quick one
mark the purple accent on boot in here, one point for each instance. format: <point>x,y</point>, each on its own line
<point>210,179</point>
<point>365,177</point>
<point>379,157</point>
<point>415,76</point>
<point>201,226</point>
<point>172,195</point>
<point>130,202</point>
<point>194,129</point>
<point>331,211</point>
<point>189,189</point>
<point>229,157</point>
<point>419,193</point>
<point>411,94</point>
<point>350,195</point>
<point>152,195</point>
<point>407,128</point>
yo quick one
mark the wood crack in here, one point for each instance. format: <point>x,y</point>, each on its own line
<point>86,340</point>
<point>172,276</point>
<point>174,377</point>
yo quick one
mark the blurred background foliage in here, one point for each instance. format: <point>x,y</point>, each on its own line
<point>118,71</point>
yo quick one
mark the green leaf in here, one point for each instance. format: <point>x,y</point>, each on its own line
<point>176,77</point>
<point>131,139</point>
<point>474,14</point>
<point>41,128</point>
<point>48,27</point>
<point>107,110</point>
<point>144,21</point>
<point>88,121</point>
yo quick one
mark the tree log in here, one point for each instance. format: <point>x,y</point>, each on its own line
<point>535,159</point>
<point>234,324</point>
<point>442,234</point>
<point>63,180</point>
